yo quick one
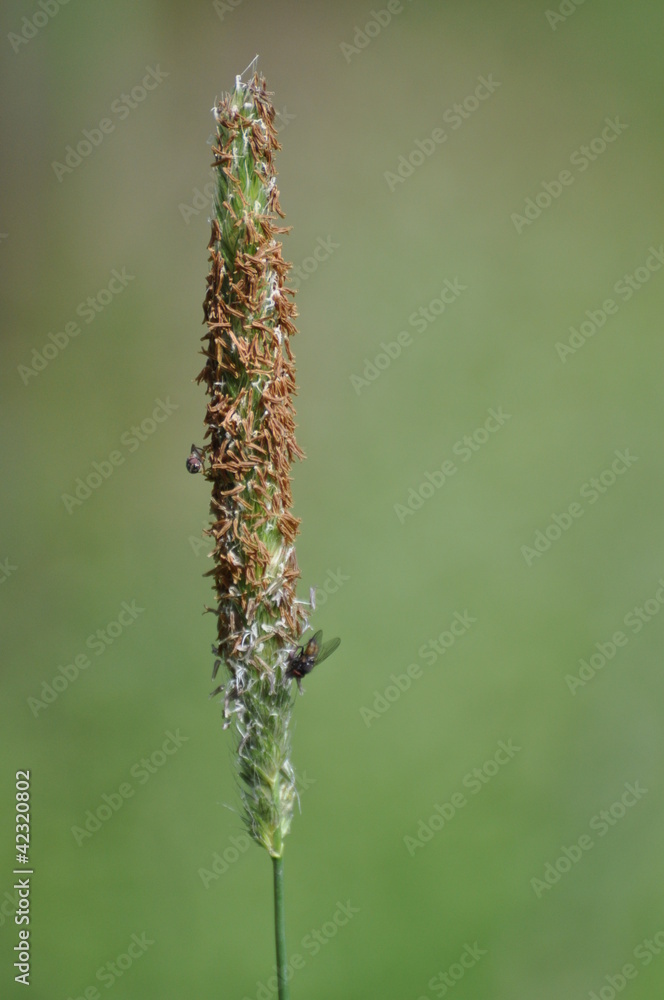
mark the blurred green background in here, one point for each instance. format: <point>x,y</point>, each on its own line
<point>359,94</point>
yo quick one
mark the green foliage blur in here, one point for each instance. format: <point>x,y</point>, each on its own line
<point>475,192</point>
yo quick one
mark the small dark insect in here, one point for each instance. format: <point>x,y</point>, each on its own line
<point>195,460</point>
<point>303,660</point>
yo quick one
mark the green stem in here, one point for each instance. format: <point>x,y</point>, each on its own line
<point>280,928</point>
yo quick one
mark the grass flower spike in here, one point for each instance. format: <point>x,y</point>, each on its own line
<point>248,450</point>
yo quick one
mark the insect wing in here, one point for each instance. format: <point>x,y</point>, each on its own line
<point>327,649</point>
<point>312,647</point>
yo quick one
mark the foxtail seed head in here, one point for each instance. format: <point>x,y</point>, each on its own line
<point>249,447</point>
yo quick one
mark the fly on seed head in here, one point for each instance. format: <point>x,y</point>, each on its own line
<point>304,658</point>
